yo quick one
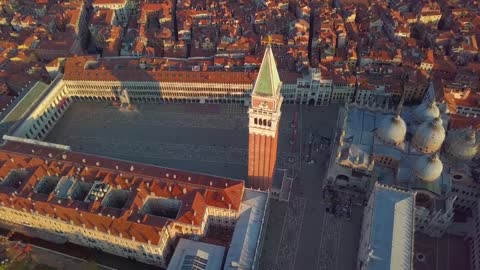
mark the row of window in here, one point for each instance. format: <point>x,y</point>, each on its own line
<point>262,122</point>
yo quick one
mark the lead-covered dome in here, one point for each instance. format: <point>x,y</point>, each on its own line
<point>392,130</point>
<point>428,168</point>
<point>426,111</point>
<point>429,136</point>
<point>462,144</point>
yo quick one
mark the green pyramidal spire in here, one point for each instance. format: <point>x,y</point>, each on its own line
<point>268,82</point>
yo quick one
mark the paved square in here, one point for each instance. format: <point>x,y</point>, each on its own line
<point>448,252</point>
<point>205,138</point>
<point>300,234</point>
<point>213,139</point>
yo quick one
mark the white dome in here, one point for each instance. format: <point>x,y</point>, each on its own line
<point>426,111</point>
<point>392,130</point>
<point>428,168</point>
<point>429,136</point>
<point>462,144</point>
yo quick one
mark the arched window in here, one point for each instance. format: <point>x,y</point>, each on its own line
<point>255,121</point>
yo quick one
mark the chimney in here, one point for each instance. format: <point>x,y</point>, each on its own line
<point>189,178</point>
<point>131,168</point>
<point>98,164</point>
<point>174,176</point>
<point>211,183</point>
<point>84,160</point>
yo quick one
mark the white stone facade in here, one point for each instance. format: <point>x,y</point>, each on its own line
<point>121,246</point>
<point>434,222</point>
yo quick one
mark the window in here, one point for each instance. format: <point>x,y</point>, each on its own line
<point>192,262</point>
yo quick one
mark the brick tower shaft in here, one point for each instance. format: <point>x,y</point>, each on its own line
<point>264,119</point>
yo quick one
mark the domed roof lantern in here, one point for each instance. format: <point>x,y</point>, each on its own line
<point>392,130</point>
<point>426,111</point>
<point>428,168</point>
<point>429,136</point>
<point>462,144</point>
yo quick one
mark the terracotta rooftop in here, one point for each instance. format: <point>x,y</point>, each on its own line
<point>458,121</point>
<point>88,68</point>
<point>108,2</point>
<point>137,181</point>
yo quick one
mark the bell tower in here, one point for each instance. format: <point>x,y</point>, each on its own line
<point>264,119</point>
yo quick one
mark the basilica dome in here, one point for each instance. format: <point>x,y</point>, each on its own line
<point>429,136</point>
<point>462,144</point>
<point>392,130</point>
<point>426,111</point>
<point>428,168</point>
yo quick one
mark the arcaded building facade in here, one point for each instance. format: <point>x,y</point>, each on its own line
<point>128,209</point>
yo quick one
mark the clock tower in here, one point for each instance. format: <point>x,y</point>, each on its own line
<point>264,119</point>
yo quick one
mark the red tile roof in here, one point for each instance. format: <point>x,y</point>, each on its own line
<point>129,70</point>
<point>109,2</point>
<point>196,191</point>
<point>459,121</point>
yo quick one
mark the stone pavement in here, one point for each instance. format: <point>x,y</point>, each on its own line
<point>206,138</point>
<point>448,252</point>
<point>213,139</point>
<point>300,234</point>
